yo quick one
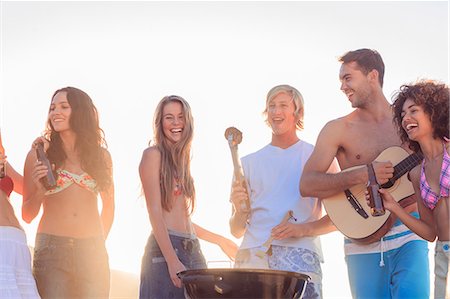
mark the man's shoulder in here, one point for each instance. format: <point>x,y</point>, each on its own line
<point>338,122</point>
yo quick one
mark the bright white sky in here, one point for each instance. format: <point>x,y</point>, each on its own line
<point>222,57</point>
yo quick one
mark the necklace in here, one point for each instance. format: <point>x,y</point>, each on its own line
<point>177,190</point>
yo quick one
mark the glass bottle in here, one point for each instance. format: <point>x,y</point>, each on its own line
<point>49,180</point>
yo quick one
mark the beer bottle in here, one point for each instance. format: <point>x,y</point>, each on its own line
<point>49,180</point>
<point>375,200</point>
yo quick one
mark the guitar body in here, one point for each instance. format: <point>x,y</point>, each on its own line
<point>350,222</point>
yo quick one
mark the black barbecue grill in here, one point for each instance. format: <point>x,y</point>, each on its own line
<point>243,283</point>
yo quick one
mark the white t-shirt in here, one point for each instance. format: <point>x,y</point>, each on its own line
<point>273,177</point>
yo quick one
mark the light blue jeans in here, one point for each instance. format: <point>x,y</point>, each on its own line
<point>71,268</point>
<point>155,279</point>
<point>405,273</point>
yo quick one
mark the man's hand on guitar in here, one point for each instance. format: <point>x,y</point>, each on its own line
<point>238,197</point>
<point>383,171</point>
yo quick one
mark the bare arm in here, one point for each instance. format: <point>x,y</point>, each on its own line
<point>425,227</point>
<point>227,246</point>
<point>13,174</point>
<point>149,169</point>
<point>315,180</point>
<point>239,217</point>
<point>33,190</point>
<point>108,206</point>
<point>307,229</point>
<point>16,177</point>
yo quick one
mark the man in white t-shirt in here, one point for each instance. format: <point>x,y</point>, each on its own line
<point>273,175</point>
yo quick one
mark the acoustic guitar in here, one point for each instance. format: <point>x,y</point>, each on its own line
<point>349,211</point>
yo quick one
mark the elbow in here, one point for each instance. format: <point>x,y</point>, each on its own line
<point>305,190</point>
<point>237,234</point>
<point>26,217</point>
<point>430,237</point>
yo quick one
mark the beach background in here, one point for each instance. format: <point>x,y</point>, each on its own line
<point>222,57</point>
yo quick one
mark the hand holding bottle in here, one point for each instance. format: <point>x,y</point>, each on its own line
<point>43,171</point>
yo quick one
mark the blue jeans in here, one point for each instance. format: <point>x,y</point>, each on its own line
<point>67,267</point>
<point>155,279</point>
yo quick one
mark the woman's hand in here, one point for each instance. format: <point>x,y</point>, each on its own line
<point>174,268</point>
<point>39,171</point>
<point>389,202</point>
<point>42,140</point>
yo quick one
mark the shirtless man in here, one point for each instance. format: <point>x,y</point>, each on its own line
<point>357,139</point>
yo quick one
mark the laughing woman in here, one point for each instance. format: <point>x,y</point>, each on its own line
<point>170,196</point>
<point>70,258</point>
<point>421,113</point>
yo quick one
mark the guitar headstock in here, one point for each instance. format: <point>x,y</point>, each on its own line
<point>233,135</point>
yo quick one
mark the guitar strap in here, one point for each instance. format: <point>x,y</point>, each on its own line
<point>407,201</point>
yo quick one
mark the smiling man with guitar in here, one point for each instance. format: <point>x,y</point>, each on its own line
<point>384,258</point>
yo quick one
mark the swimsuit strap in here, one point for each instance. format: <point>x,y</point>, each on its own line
<point>429,197</point>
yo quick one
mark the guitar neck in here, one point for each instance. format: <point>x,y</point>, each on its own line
<point>406,165</point>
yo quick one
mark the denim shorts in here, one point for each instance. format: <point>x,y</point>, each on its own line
<point>67,267</point>
<point>155,279</point>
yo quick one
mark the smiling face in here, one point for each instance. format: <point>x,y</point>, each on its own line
<point>415,121</point>
<point>59,113</point>
<point>281,114</point>
<point>173,121</point>
<point>355,84</point>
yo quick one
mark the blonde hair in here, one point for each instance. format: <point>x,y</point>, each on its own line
<point>296,97</point>
<point>175,158</point>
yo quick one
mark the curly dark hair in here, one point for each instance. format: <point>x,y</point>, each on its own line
<point>90,141</point>
<point>433,97</point>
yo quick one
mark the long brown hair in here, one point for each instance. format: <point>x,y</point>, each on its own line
<point>90,142</point>
<point>175,158</point>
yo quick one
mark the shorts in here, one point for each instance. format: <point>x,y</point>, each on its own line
<point>155,279</point>
<point>16,280</point>
<point>285,258</point>
<point>67,267</point>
